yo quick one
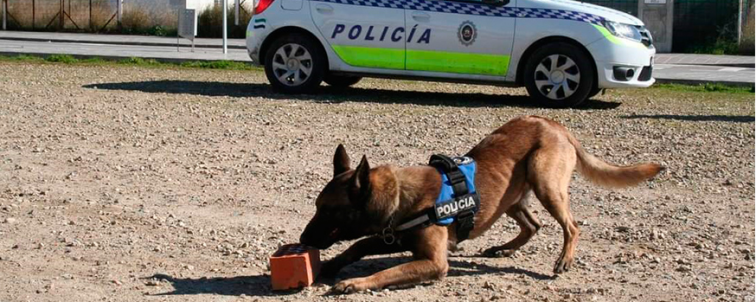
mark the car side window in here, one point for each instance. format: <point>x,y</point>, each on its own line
<point>488,2</point>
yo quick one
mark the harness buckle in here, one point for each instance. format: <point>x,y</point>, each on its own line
<point>388,235</point>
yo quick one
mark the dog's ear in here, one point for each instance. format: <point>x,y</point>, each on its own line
<point>340,161</point>
<point>360,182</point>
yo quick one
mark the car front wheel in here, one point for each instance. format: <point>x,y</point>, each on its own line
<point>341,81</point>
<point>295,64</point>
<point>559,75</point>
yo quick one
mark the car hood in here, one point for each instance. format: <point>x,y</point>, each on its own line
<point>578,6</point>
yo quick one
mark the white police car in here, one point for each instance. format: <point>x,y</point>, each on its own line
<point>562,51</point>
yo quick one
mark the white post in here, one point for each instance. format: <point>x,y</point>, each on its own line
<point>236,12</point>
<point>225,23</point>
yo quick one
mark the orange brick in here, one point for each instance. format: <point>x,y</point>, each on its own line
<point>294,266</point>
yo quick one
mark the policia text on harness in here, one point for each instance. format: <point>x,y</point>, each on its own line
<point>457,201</point>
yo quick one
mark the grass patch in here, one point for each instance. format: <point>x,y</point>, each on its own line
<point>705,88</point>
<point>139,62</point>
<point>68,59</point>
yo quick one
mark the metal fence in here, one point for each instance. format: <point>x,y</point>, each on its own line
<point>80,15</point>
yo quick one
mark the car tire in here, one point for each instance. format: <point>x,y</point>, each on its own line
<point>594,92</point>
<point>340,81</point>
<point>559,75</point>
<point>294,64</point>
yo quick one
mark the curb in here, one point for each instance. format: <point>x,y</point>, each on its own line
<point>131,43</point>
<point>116,58</point>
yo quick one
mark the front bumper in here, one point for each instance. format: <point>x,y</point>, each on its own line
<point>610,54</point>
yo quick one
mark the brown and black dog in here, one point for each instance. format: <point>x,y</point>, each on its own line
<point>527,154</point>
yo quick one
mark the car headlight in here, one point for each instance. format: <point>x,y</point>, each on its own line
<point>623,30</point>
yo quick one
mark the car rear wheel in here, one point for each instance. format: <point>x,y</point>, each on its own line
<point>295,64</point>
<point>559,75</point>
<point>339,81</point>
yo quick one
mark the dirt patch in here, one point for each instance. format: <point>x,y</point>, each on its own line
<point>125,183</point>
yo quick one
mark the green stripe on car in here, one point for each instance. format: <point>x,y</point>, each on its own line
<point>390,58</point>
<point>617,40</point>
<point>457,62</point>
<point>423,60</point>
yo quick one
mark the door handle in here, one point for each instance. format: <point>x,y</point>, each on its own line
<point>324,8</point>
<point>420,16</point>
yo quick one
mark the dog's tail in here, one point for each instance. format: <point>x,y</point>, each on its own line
<point>608,175</point>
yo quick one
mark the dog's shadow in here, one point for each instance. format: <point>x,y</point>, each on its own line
<point>260,285</point>
<point>456,268</point>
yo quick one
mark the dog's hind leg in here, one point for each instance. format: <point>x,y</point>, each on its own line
<point>549,173</point>
<point>529,226</point>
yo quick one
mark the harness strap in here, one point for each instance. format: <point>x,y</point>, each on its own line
<point>448,166</point>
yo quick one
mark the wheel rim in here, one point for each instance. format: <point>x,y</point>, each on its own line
<point>292,64</point>
<point>557,77</point>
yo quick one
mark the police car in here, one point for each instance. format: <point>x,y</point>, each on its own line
<point>562,51</point>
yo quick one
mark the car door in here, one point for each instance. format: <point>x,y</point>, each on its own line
<point>460,37</point>
<point>366,33</point>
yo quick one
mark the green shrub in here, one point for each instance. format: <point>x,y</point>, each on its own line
<point>209,23</point>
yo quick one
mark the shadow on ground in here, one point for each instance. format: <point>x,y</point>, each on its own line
<point>260,285</point>
<point>330,94</point>
<point>696,118</point>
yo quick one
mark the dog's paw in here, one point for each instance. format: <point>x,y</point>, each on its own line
<point>350,286</point>
<point>563,265</point>
<point>496,252</point>
<point>330,269</point>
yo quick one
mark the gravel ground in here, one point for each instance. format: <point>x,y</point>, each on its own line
<point>125,183</point>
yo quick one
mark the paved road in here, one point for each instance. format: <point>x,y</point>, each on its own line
<point>697,74</point>
<point>670,68</point>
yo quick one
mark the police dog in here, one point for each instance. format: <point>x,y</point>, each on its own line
<point>527,154</point>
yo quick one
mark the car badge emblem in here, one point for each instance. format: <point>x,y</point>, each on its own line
<point>467,33</point>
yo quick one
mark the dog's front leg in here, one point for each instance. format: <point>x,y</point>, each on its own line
<point>429,249</point>
<point>365,247</point>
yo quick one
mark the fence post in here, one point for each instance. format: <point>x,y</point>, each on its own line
<point>236,12</point>
<point>62,14</point>
<point>740,20</point>
<point>5,14</point>
<point>120,13</point>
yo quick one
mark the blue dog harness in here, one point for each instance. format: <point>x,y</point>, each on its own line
<point>458,201</point>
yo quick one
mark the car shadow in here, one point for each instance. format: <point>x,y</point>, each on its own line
<point>696,118</point>
<point>260,285</point>
<point>327,94</point>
